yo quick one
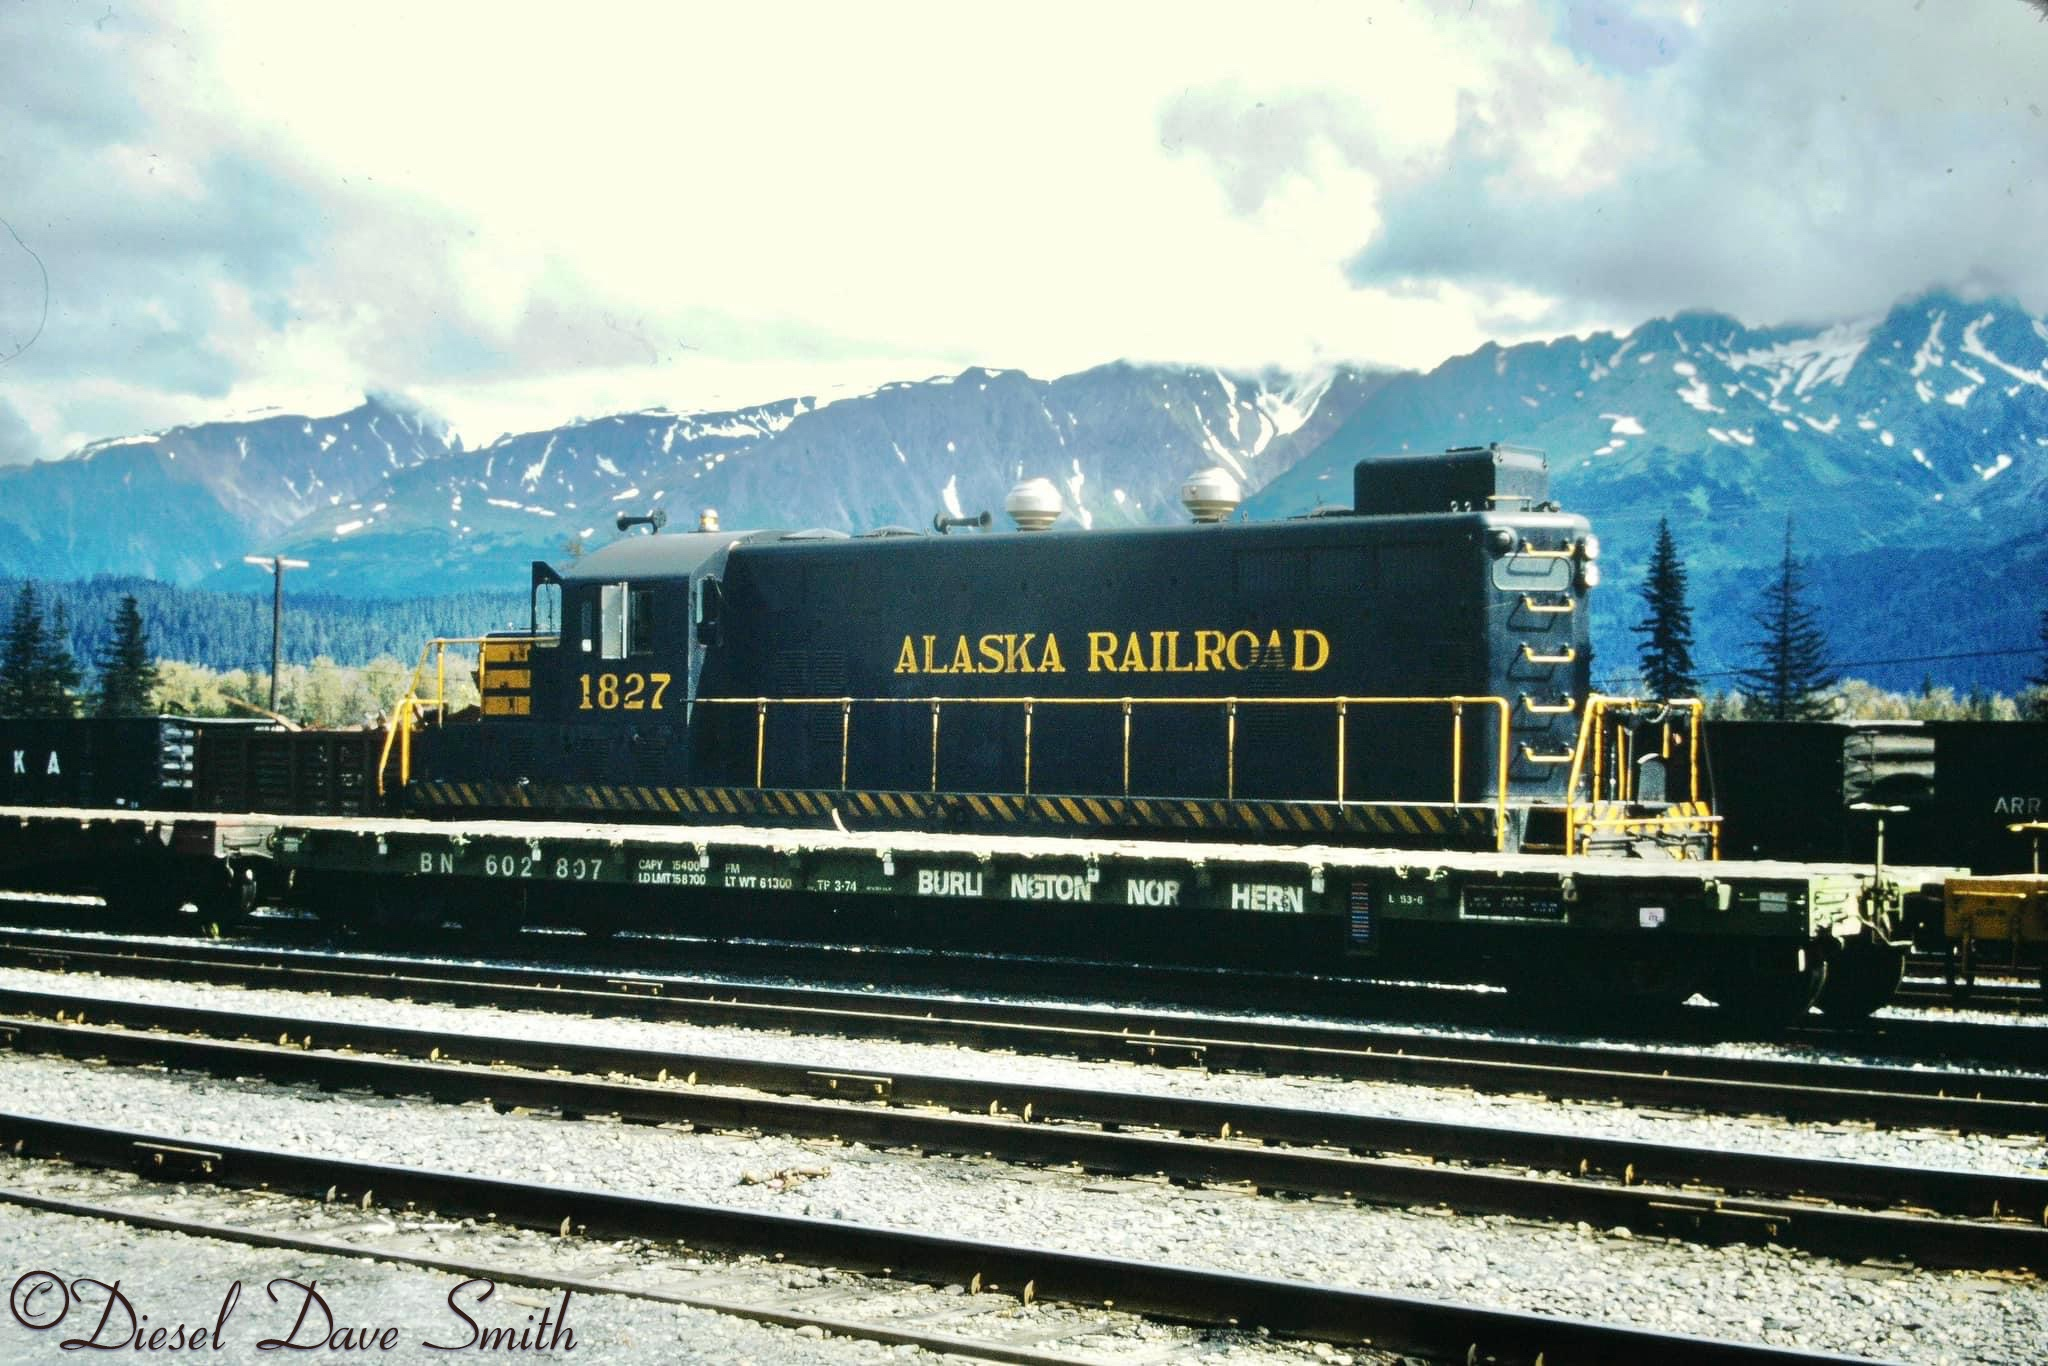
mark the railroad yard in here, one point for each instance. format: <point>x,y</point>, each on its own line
<point>735,1166</point>
<point>1368,691</point>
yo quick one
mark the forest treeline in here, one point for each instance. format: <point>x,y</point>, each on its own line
<point>230,631</point>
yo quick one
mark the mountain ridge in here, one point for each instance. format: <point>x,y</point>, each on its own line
<point>1909,450</point>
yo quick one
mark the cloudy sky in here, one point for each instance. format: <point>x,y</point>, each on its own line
<point>513,216</point>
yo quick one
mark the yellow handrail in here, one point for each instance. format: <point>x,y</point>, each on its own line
<point>1340,706</point>
<point>1589,765</point>
<point>406,714</point>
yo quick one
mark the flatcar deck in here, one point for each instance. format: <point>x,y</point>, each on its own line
<point>1367,889</point>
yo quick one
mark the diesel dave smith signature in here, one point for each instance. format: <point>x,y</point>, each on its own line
<point>104,1317</point>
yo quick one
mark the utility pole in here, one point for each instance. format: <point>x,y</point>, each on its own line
<point>276,564</point>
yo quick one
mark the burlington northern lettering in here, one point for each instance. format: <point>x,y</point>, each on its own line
<point>1299,649</point>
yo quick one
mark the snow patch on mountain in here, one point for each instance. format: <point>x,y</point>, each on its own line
<point>1807,362</point>
<point>531,479</point>
<point>1973,344</point>
<point>1930,352</point>
<point>1074,484</point>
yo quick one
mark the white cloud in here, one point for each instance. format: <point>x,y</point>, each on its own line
<point>517,218</point>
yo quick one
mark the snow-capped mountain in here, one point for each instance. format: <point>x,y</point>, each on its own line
<point>180,504</point>
<point>1911,452</point>
<point>1116,440</point>
<point>383,501</point>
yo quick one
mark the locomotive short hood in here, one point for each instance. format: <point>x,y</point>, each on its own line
<point>653,557</point>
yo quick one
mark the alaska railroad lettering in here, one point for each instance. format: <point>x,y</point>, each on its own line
<point>1297,650</point>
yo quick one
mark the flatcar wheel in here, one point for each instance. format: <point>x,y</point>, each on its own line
<point>1861,980</point>
<point>180,902</point>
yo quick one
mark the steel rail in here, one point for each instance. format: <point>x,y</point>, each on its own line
<point>2015,997</point>
<point>1794,1089</point>
<point>745,996</point>
<point>1630,1163</point>
<point>951,1344</point>
<point>1450,1332</point>
<point>1173,987</point>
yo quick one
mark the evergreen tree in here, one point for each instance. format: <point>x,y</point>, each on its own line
<point>19,651</point>
<point>37,673</point>
<point>127,670</point>
<point>1666,628</point>
<point>57,674</point>
<point>1794,672</point>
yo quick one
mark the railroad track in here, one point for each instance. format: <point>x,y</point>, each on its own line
<point>1793,1088</point>
<point>1336,995</point>
<point>2002,1221</point>
<point>1183,986</point>
<point>1440,1331</point>
<point>2018,997</point>
<point>1938,965</point>
<point>977,1329</point>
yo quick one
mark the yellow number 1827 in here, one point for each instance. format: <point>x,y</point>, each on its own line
<point>623,692</point>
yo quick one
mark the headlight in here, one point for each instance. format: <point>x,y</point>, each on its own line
<point>1589,576</point>
<point>1589,549</point>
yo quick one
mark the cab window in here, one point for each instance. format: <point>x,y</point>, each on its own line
<point>547,612</point>
<point>640,621</point>
<point>611,621</point>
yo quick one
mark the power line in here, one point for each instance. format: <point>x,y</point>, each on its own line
<point>1868,663</point>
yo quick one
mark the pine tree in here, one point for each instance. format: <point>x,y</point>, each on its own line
<point>127,670</point>
<point>1794,673</point>
<point>1666,628</point>
<point>57,674</point>
<point>19,651</point>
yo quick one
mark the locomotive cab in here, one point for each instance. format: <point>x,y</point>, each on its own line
<point>598,688</point>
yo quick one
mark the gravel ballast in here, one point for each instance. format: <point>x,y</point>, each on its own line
<point>1756,1293</point>
<point>178,1280</point>
<point>1848,1142</point>
<point>529,1270</point>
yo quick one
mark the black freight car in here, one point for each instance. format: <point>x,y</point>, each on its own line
<point>1787,790</point>
<point>1425,659</point>
<point>140,762</point>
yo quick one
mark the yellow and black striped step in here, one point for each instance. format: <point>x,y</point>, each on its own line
<point>1437,825</point>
